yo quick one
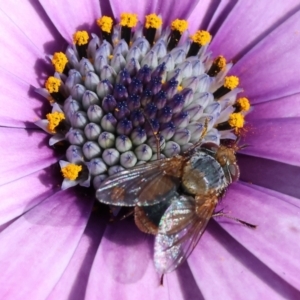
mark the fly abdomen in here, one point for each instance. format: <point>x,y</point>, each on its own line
<point>147,218</point>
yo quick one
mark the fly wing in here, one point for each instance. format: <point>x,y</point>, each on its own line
<point>179,231</point>
<point>143,185</point>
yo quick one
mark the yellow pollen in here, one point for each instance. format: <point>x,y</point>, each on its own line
<point>128,20</point>
<point>243,104</point>
<point>153,21</point>
<point>231,82</point>
<point>80,38</point>
<point>220,61</point>
<point>105,23</point>
<point>71,171</point>
<point>54,119</point>
<point>59,61</point>
<point>110,56</point>
<point>236,120</point>
<point>52,84</point>
<point>180,25</point>
<point>201,37</point>
<point>179,88</point>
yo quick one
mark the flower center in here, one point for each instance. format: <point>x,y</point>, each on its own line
<point>136,91</point>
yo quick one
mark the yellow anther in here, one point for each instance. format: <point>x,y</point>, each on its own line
<point>153,21</point>
<point>236,120</point>
<point>105,23</point>
<point>180,25</point>
<point>110,56</point>
<point>54,119</point>
<point>243,103</point>
<point>201,37</point>
<point>71,171</point>
<point>128,20</point>
<point>179,88</point>
<point>52,84</point>
<point>80,38</point>
<point>59,61</point>
<point>220,62</point>
<point>231,82</point>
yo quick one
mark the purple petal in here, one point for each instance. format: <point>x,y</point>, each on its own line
<point>220,15</point>
<point>22,62</point>
<point>19,106</point>
<point>24,152</point>
<point>286,107</point>
<point>291,200</point>
<point>40,244</point>
<point>181,284</point>
<point>34,24</point>
<point>274,139</point>
<point>69,16</point>
<point>124,266</point>
<point>21,195</point>
<point>3,226</point>
<point>72,284</point>
<point>220,259</point>
<point>180,11</point>
<point>171,10</point>
<point>144,8</point>
<point>278,176</point>
<point>270,70</point>
<point>201,14</point>
<point>247,24</point>
<point>21,54</point>
<point>275,241</point>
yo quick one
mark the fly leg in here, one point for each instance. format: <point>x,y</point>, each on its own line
<point>204,131</point>
<point>119,213</point>
<point>162,280</point>
<point>222,214</point>
<point>127,215</point>
<point>156,135</point>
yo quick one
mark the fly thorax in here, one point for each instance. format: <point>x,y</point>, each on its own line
<point>203,175</point>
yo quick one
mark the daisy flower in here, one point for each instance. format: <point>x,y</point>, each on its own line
<point>56,240</point>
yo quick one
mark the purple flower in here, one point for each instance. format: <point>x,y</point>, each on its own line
<point>52,245</point>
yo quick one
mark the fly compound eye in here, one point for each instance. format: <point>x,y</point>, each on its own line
<point>234,171</point>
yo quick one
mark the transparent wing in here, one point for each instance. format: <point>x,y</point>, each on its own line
<point>143,185</point>
<point>179,231</point>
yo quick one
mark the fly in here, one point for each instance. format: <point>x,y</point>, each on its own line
<point>174,198</point>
